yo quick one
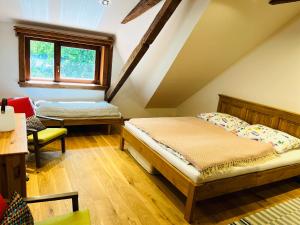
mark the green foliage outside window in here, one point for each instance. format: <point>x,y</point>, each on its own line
<point>76,63</point>
<point>41,59</point>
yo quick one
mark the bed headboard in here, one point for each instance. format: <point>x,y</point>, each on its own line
<point>256,113</point>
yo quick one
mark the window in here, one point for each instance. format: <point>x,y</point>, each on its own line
<point>71,64</point>
<point>41,60</point>
<point>54,59</point>
<point>77,63</point>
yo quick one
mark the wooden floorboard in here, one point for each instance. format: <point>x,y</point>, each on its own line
<point>117,190</point>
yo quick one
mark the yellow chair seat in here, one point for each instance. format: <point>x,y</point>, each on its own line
<point>76,218</point>
<point>48,134</point>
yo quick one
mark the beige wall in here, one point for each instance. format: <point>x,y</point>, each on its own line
<point>228,30</point>
<point>270,75</point>
<point>144,80</point>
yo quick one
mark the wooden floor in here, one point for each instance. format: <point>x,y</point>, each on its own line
<point>118,191</point>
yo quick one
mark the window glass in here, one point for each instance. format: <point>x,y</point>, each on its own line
<point>41,60</point>
<point>77,63</point>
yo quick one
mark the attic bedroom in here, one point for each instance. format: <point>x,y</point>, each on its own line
<point>149,112</point>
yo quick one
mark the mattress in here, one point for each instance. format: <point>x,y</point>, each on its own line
<point>76,109</point>
<point>288,158</point>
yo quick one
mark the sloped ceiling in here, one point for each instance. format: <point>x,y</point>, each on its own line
<point>228,30</point>
<point>83,14</point>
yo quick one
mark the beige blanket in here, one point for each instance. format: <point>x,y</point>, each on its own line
<point>209,148</point>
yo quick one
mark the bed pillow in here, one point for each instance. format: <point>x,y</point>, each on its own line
<point>18,212</point>
<point>34,123</point>
<point>281,141</point>
<point>228,122</point>
<point>22,105</point>
<point>3,207</point>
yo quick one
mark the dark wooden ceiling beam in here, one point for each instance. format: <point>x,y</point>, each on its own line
<point>139,9</point>
<point>276,2</point>
<point>157,25</point>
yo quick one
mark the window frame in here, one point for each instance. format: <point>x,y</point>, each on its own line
<point>103,45</point>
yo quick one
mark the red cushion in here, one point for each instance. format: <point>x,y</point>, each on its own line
<point>22,105</point>
<point>3,207</point>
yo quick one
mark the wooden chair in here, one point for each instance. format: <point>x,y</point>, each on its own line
<point>39,139</point>
<point>75,218</point>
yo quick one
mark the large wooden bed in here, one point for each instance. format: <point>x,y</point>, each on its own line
<point>252,113</point>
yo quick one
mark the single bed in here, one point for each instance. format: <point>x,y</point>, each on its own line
<point>80,112</point>
<point>191,182</point>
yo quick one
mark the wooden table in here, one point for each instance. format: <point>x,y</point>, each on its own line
<point>13,150</point>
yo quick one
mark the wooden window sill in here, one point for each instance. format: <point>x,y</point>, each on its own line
<point>51,84</point>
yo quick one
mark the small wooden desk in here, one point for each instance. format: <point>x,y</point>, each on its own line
<point>13,150</point>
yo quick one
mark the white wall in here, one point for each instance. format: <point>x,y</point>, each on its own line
<point>269,75</point>
<point>128,102</point>
<point>139,88</point>
<point>134,95</point>
<point>9,74</point>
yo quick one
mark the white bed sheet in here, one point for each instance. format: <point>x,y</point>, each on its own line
<point>288,158</point>
<point>76,109</point>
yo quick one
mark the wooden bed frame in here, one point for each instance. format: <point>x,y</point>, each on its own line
<point>88,121</point>
<point>252,113</point>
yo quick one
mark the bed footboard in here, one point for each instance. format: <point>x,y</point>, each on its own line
<point>178,179</point>
<point>196,192</point>
<point>122,142</point>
